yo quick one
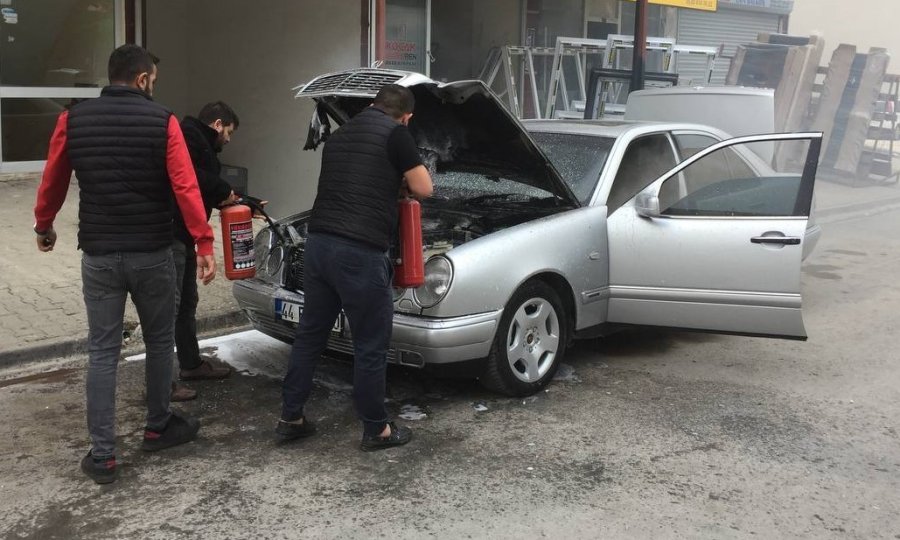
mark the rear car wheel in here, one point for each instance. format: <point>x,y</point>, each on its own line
<point>530,342</point>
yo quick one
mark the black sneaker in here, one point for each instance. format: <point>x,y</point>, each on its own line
<point>288,431</point>
<point>400,435</point>
<point>102,471</point>
<point>180,429</point>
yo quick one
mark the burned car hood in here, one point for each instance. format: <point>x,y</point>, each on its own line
<point>457,126</point>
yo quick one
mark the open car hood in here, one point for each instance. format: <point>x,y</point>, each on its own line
<point>457,125</point>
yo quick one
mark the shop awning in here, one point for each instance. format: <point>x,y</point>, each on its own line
<point>705,5</point>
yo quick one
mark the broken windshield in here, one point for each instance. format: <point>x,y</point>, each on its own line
<point>579,159</point>
<point>476,187</point>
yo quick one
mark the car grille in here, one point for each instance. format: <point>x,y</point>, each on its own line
<point>367,81</point>
<point>293,273</point>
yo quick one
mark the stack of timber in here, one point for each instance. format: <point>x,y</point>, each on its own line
<point>851,95</point>
<point>788,65</point>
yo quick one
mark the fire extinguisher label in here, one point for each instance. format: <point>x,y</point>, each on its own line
<point>242,245</point>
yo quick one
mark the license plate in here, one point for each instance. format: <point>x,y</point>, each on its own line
<point>289,311</point>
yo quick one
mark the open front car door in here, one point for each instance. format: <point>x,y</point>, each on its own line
<point>716,243</point>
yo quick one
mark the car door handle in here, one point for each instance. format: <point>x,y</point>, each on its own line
<point>783,240</point>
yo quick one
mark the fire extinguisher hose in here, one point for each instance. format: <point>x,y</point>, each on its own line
<point>257,206</point>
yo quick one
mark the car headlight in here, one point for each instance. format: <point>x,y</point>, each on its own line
<point>261,246</point>
<point>269,253</point>
<point>274,260</point>
<point>438,274</point>
<point>398,293</point>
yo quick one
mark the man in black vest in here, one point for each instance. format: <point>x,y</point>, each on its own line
<point>346,264</point>
<point>129,156</point>
<point>206,136</point>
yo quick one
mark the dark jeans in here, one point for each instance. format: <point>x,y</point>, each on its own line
<point>341,273</point>
<point>186,299</point>
<point>106,282</point>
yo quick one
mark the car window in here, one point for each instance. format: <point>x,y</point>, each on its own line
<point>736,163</point>
<point>708,187</point>
<point>691,143</point>
<point>579,159</point>
<point>645,160</point>
<point>725,162</point>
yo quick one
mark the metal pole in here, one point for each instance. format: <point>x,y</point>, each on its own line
<point>380,27</point>
<point>640,45</point>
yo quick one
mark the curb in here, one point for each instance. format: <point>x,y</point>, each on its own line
<point>855,210</point>
<point>232,320</point>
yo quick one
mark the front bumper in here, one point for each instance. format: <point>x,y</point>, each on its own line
<point>416,341</point>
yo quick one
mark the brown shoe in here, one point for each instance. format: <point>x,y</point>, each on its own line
<point>206,370</point>
<point>182,393</point>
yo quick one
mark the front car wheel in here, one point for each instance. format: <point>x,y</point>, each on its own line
<point>530,342</point>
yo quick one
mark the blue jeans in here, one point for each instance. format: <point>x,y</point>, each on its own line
<point>341,273</point>
<point>106,281</point>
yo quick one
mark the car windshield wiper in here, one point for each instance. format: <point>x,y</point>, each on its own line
<point>490,197</point>
<point>506,197</point>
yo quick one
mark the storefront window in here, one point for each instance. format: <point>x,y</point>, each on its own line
<point>58,43</point>
<point>406,35</point>
<point>655,28</point>
<point>546,20</point>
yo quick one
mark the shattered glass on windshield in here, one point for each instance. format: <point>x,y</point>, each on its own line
<point>579,159</point>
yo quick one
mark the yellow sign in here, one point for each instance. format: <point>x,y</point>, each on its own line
<point>705,5</point>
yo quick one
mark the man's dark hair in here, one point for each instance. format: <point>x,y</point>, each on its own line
<point>218,110</point>
<point>129,61</point>
<point>395,100</point>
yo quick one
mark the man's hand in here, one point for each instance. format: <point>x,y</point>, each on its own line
<point>231,199</point>
<point>206,268</point>
<point>257,211</point>
<point>45,242</point>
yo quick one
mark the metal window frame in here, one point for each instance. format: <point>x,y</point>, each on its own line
<point>61,92</point>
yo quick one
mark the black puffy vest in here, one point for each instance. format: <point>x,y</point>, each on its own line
<point>358,185</point>
<point>117,146</point>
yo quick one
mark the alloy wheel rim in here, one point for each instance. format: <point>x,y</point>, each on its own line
<point>532,341</point>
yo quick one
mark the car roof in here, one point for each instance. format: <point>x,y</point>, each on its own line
<point>615,128</point>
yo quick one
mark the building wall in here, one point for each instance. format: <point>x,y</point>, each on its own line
<point>167,23</point>
<point>464,32</point>
<point>451,39</point>
<point>496,23</point>
<point>872,23</point>
<point>251,58</point>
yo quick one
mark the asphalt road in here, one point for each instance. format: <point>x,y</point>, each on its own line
<point>647,435</point>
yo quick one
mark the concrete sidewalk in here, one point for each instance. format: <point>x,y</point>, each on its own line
<point>41,308</point>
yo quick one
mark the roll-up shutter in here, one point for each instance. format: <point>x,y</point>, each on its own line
<point>731,27</point>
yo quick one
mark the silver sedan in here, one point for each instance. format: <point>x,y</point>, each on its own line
<point>542,233</point>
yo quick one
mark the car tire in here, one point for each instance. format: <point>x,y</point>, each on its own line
<point>530,342</point>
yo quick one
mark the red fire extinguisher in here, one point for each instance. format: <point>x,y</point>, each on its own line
<point>237,241</point>
<point>409,267</point>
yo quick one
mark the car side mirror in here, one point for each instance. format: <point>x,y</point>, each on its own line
<point>647,205</point>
